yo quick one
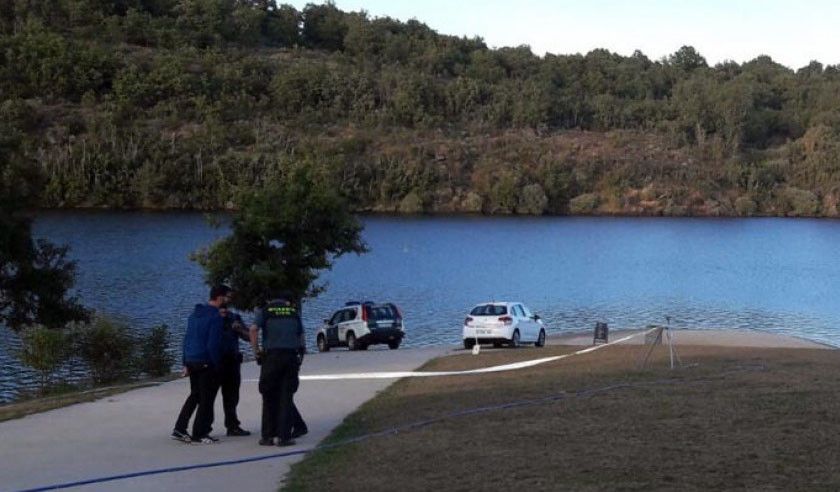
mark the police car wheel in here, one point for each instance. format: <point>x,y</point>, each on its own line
<point>322,344</point>
<point>351,341</point>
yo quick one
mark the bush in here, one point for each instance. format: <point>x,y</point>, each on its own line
<point>802,202</point>
<point>532,201</point>
<point>745,206</point>
<point>411,204</point>
<point>584,204</point>
<point>156,360</point>
<point>108,349</point>
<point>44,350</point>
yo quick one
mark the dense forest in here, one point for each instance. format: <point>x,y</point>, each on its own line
<point>184,103</point>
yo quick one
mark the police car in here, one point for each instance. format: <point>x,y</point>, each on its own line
<point>360,324</point>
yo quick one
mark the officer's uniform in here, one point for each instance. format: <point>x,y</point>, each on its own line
<point>282,341</point>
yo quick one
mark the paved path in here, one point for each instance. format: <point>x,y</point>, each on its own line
<point>130,432</point>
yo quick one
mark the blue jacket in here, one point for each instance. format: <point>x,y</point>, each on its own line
<point>203,339</point>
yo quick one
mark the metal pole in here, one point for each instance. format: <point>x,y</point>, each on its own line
<point>670,339</point>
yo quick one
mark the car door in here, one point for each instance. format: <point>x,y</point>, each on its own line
<point>332,327</point>
<point>526,323</point>
<point>346,324</point>
<point>519,321</point>
<point>535,326</point>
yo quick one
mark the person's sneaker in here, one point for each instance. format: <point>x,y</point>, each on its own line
<point>181,436</point>
<point>299,433</point>
<point>267,442</point>
<point>286,442</point>
<point>206,440</point>
<point>237,431</point>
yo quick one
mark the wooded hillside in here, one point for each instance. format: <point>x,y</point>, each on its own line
<point>180,103</point>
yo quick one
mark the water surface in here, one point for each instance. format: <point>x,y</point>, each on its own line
<point>779,275</point>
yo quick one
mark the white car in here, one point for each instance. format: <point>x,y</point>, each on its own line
<point>510,323</point>
<point>360,324</point>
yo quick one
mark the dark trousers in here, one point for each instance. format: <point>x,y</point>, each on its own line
<point>230,378</point>
<point>278,374</point>
<point>298,425</point>
<point>203,388</point>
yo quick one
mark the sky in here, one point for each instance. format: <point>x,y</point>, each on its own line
<point>792,32</point>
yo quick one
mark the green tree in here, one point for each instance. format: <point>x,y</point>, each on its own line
<point>34,275</point>
<point>282,236</point>
<point>108,348</point>
<point>44,350</point>
<point>687,58</point>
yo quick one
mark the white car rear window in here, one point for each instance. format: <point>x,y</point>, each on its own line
<point>489,310</point>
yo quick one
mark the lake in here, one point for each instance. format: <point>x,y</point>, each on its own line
<point>779,275</point>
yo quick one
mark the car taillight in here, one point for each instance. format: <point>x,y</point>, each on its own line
<point>364,313</point>
<point>467,321</point>
<point>506,320</point>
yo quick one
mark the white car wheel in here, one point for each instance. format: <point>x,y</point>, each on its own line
<point>514,340</point>
<point>541,340</point>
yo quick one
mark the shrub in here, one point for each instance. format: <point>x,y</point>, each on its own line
<point>745,206</point>
<point>802,202</point>
<point>156,360</point>
<point>108,349</point>
<point>584,204</point>
<point>44,350</point>
<point>411,204</point>
<point>532,201</point>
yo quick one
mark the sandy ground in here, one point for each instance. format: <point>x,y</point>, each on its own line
<point>128,433</point>
<point>713,338</point>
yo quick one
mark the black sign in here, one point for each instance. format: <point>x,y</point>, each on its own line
<point>601,333</point>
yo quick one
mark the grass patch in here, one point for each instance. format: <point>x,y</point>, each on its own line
<point>64,396</point>
<point>736,418</point>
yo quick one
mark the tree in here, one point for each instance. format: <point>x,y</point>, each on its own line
<point>688,59</point>
<point>34,275</point>
<point>282,236</point>
<point>44,350</point>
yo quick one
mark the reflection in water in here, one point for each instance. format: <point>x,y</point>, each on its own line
<point>768,274</point>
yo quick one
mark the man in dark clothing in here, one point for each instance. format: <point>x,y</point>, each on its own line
<point>282,344</point>
<point>230,374</point>
<point>299,427</point>
<point>202,357</point>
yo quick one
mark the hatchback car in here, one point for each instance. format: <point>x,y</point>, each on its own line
<point>360,324</point>
<point>503,323</point>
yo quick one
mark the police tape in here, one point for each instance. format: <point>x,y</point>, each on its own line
<point>484,370</point>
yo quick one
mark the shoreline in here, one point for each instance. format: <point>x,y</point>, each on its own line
<point>427,214</point>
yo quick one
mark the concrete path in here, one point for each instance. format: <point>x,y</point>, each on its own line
<point>129,432</point>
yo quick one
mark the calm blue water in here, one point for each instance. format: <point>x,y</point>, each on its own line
<point>770,274</point>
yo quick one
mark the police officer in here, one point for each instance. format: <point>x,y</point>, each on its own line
<point>283,345</point>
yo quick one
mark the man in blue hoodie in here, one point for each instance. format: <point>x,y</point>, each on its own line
<point>202,357</point>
